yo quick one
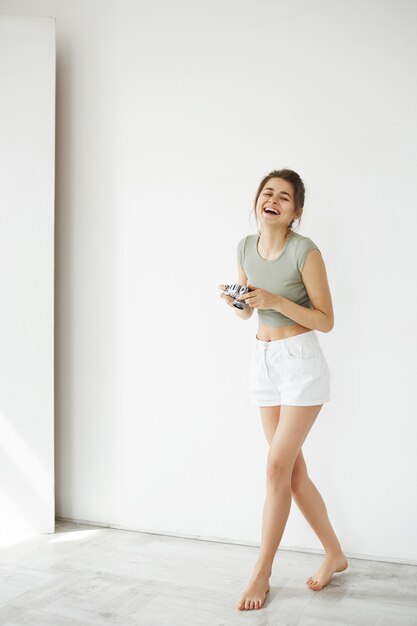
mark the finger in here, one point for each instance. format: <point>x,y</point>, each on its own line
<point>222,287</point>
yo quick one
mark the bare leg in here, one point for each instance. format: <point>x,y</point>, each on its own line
<point>312,506</point>
<point>294,424</point>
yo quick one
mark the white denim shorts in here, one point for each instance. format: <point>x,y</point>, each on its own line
<point>291,371</point>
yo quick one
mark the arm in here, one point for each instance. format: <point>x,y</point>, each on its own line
<point>247,312</point>
<point>314,276</point>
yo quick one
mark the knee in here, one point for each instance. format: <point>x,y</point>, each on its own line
<point>278,469</point>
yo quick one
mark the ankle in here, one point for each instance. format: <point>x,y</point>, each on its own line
<point>262,570</point>
<point>334,553</point>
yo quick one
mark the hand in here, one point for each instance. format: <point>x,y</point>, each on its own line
<point>229,300</point>
<point>260,298</point>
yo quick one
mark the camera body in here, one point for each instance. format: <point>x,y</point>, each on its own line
<point>235,291</point>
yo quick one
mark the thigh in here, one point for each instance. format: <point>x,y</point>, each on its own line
<point>270,419</point>
<point>292,429</point>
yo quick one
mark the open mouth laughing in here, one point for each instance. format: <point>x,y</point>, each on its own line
<point>269,210</point>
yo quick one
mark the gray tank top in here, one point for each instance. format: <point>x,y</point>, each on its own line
<point>281,276</point>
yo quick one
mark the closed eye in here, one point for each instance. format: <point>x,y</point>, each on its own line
<point>282,197</point>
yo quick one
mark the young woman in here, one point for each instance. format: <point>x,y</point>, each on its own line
<point>289,375</point>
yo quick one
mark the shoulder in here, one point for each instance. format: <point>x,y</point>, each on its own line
<point>302,246</point>
<point>302,242</point>
<point>247,240</point>
<point>247,237</point>
<point>241,245</point>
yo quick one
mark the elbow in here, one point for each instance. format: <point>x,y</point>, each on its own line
<point>326,323</point>
<point>329,326</point>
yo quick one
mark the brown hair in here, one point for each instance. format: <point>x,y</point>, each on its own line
<point>297,185</point>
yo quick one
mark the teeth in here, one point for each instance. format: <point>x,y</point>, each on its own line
<point>271,209</point>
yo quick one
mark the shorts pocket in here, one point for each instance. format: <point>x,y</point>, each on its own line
<point>303,351</point>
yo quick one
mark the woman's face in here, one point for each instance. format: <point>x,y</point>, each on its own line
<point>277,196</point>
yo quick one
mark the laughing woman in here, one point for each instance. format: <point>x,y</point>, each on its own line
<point>289,376</point>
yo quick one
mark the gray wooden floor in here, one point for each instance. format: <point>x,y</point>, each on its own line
<point>91,575</point>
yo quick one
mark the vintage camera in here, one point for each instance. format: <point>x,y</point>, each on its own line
<point>235,291</point>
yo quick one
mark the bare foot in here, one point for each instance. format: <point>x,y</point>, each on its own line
<point>323,575</point>
<point>255,593</point>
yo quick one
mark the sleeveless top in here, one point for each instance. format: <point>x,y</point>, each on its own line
<point>281,276</point>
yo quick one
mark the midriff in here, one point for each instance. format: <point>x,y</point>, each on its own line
<point>270,333</point>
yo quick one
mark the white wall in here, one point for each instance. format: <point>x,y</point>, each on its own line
<point>169,114</point>
<point>27,178</point>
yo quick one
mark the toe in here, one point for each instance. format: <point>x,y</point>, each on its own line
<point>312,584</point>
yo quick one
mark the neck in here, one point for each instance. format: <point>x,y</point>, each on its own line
<point>273,240</point>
